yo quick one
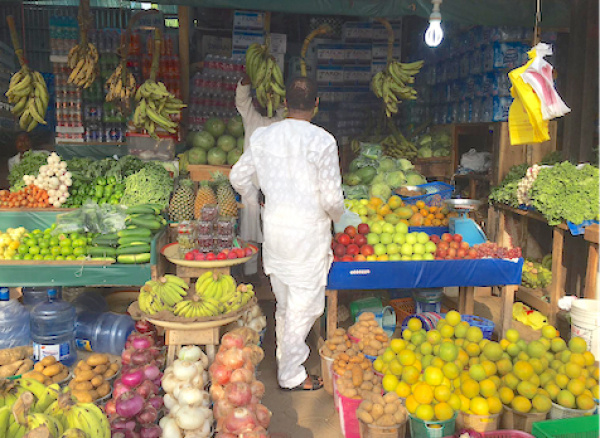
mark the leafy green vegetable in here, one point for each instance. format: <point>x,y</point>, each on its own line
<point>152,184</point>
<point>564,192</point>
<point>505,193</point>
<point>29,165</point>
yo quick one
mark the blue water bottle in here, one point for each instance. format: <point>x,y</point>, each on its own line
<point>102,332</point>
<point>53,330</point>
<point>14,322</point>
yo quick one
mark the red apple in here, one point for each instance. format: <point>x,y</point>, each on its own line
<point>339,250</point>
<point>366,250</point>
<point>211,256</point>
<point>452,253</point>
<point>226,251</point>
<point>435,238</point>
<point>222,256</point>
<point>447,237</point>
<point>199,256</point>
<point>344,239</point>
<point>360,240</point>
<point>336,259</point>
<point>457,238</point>
<point>363,229</point>
<point>337,236</point>
<point>443,245</point>
<point>473,253</point>
<point>461,253</point>
<point>352,249</point>
<point>441,253</point>
<point>360,258</point>
<point>464,245</point>
<point>248,251</point>
<point>454,245</point>
<point>240,252</point>
<point>350,230</point>
<point>189,256</point>
<point>232,255</point>
<point>347,258</point>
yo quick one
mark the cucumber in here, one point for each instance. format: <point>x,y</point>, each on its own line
<point>110,236</point>
<point>134,258</point>
<point>141,209</point>
<point>144,223</point>
<point>105,242</point>
<point>142,245</point>
<point>105,259</point>
<point>136,240</point>
<point>101,251</point>
<point>136,232</point>
<point>134,249</point>
<point>145,217</point>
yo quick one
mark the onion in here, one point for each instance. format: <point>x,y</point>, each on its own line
<point>141,343</point>
<point>132,377</point>
<point>110,407</point>
<point>151,372</point>
<point>140,357</point>
<point>233,358</point>
<point>219,373</point>
<point>226,435</point>
<point>189,395</point>
<point>217,392</point>
<point>201,432</point>
<point>119,388</point>
<point>144,326</point>
<point>148,415</point>
<point>232,340</point>
<point>258,388</point>
<point>150,431</point>
<point>170,383</point>
<point>240,420</point>
<point>119,423</point>
<point>258,432</point>
<point>126,356</point>
<point>156,401</point>
<point>222,409</point>
<point>253,353</point>
<point>242,375</point>
<point>125,434</point>
<point>170,428</point>
<point>169,401</point>
<point>263,415</point>
<point>191,417</point>
<point>184,370</point>
<point>130,404</point>
<point>147,389</point>
<point>238,393</point>
<point>191,353</point>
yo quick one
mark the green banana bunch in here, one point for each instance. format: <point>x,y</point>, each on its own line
<point>83,62</point>
<point>392,84</point>
<point>155,107</point>
<point>266,77</point>
<point>397,146</point>
<point>29,94</point>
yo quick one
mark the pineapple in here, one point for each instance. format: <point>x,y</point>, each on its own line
<point>204,196</point>
<point>225,196</point>
<point>181,205</point>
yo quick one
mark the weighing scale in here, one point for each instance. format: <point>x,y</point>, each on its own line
<point>463,225</point>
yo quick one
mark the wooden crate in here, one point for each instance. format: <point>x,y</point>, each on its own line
<point>439,167</point>
<point>201,172</point>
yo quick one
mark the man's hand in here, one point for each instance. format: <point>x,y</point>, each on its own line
<point>246,79</point>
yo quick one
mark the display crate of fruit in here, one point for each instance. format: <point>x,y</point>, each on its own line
<point>202,172</point>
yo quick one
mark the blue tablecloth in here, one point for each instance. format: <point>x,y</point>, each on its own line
<point>424,274</point>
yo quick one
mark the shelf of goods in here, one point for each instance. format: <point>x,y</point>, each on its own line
<point>22,273</point>
<point>556,290</point>
<point>465,274</point>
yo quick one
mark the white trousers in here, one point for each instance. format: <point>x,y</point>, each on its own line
<point>296,311</point>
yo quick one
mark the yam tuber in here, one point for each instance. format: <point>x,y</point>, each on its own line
<point>10,369</point>
<point>11,355</point>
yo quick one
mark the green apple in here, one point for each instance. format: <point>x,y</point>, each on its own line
<point>430,247</point>
<point>411,238</point>
<point>376,228</point>
<point>419,248</point>
<point>372,239</point>
<point>362,211</point>
<point>399,238</point>
<point>423,238</point>
<point>406,258</point>
<point>385,238</point>
<point>395,257</point>
<point>417,257</point>
<point>406,249</point>
<point>388,228</point>
<point>379,249</point>
<point>401,227</point>
<point>393,248</point>
<point>428,256</point>
<point>363,201</point>
<point>363,219</point>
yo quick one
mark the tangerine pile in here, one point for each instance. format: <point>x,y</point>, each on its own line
<point>29,197</point>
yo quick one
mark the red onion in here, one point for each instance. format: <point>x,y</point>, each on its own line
<point>158,380</point>
<point>233,358</point>
<point>140,357</point>
<point>119,388</point>
<point>119,423</point>
<point>141,343</point>
<point>226,435</point>
<point>217,392</point>
<point>258,388</point>
<point>110,407</point>
<point>155,352</point>
<point>242,375</point>
<point>151,372</point>
<point>222,409</point>
<point>263,415</point>
<point>156,402</point>
<point>132,377</point>
<point>232,340</point>
<point>219,356</point>
<point>124,434</point>
<point>240,420</point>
<point>238,393</point>
<point>144,326</point>
<point>258,432</point>
<point>150,431</point>
<point>219,373</point>
<point>129,404</point>
<point>126,356</point>
<point>147,389</point>
<point>148,415</point>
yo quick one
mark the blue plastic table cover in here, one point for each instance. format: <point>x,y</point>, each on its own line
<point>424,274</point>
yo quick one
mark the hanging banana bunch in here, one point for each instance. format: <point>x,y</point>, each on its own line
<point>323,29</point>
<point>156,104</point>
<point>121,86</point>
<point>266,77</point>
<point>83,57</point>
<point>27,90</point>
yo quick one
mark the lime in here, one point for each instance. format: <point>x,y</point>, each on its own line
<point>48,257</point>
<point>81,257</point>
<point>28,257</point>
<point>44,251</point>
<point>54,241</point>
<point>38,257</point>
<point>75,236</point>
<point>34,250</point>
<point>30,241</point>
<point>59,257</point>
<point>55,250</point>
<point>66,242</point>
<point>23,249</point>
<point>79,242</point>
<point>36,232</point>
<point>80,251</point>
<point>44,243</point>
<point>66,250</point>
<point>71,257</point>
<point>17,257</point>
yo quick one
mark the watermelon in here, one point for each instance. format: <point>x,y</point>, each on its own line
<point>215,126</point>
<point>196,156</point>
<point>201,139</point>
<point>233,156</point>
<point>216,157</point>
<point>240,143</point>
<point>235,127</point>
<point>226,142</point>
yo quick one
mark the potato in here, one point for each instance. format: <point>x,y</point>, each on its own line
<point>109,373</point>
<point>348,374</point>
<point>390,408</point>
<point>378,399</point>
<point>366,405</point>
<point>83,376</point>
<point>349,392</point>
<point>340,347</point>
<point>368,375</point>
<point>386,420</point>
<point>357,375</point>
<point>114,366</point>
<point>326,351</point>
<point>48,360</point>
<point>104,389</point>
<point>100,369</point>
<point>39,367</point>
<point>344,357</point>
<point>36,375</point>
<point>83,386</point>
<point>97,381</point>
<point>61,376</point>
<point>390,397</point>
<point>47,382</point>
<point>52,370</point>
<point>83,366</point>
<point>339,332</point>
<point>94,394</point>
<point>83,396</point>
<point>366,316</point>
<point>377,411</point>
<point>330,345</point>
<point>368,386</point>
<point>400,415</point>
<point>364,416</point>
<point>97,359</point>
<point>337,340</point>
<point>375,344</point>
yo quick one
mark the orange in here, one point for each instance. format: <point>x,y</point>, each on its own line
<point>423,393</point>
<point>443,411</point>
<point>375,201</point>
<point>433,208</point>
<point>436,222</point>
<point>420,204</point>
<point>414,208</point>
<point>445,222</point>
<point>470,388</point>
<point>427,222</point>
<point>411,404</point>
<point>439,216</point>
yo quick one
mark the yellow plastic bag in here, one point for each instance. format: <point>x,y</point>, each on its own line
<point>525,122</point>
<point>527,316</point>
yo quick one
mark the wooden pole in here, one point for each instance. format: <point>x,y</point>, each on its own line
<point>183,13</point>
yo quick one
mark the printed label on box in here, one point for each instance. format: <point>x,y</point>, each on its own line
<point>278,43</point>
<point>330,94</point>
<point>358,54</point>
<point>376,67</point>
<point>248,20</point>
<point>330,74</point>
<point>244,39</point>
<point>357,31</point>
<point>331,53</point>
<point>356,75</point>
<point>379,51</point>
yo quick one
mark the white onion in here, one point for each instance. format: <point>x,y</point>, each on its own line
<point>184,370</point>
<point>170,428</point>
<point>189,417</point>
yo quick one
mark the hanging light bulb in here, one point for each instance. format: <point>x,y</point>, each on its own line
<point>434,34</point>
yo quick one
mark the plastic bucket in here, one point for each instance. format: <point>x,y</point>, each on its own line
<point>373,431</point>
<point>431,429</point>
<point>326,364</point>
<point>557,412</point>
<point>517,420</point>
<point>585,323</point>
<point>428,295</point>
<point>348,420</point>
<point>428,319</point>
<point>478,423</point>
<point>368,304</point>
<point>421,307</point>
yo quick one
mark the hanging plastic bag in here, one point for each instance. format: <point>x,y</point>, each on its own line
<point>476,161</point>
<point>539,76</point>
<point>348,218</point>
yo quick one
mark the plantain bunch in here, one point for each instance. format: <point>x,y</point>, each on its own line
<point>83,60</point>
<point>29,94</point>
<point>391,84</point>
<point>121,86</point>
<point>155,107</point>
<point>266,77</point>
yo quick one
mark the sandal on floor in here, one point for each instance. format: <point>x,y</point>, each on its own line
<point>316,383</point>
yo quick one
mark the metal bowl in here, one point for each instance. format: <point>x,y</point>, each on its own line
<point>463,204</point>
<point>420,190</point>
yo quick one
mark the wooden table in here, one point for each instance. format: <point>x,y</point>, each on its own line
<point>591,279</point>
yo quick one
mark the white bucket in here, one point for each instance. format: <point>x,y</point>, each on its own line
<point>585,323</point>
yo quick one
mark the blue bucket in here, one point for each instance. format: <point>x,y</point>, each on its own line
<point>385,317</point>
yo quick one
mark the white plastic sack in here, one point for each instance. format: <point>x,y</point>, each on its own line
<point>348,218</point>
<point>476,161</point>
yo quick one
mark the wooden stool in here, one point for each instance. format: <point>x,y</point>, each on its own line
<point>175,339</point>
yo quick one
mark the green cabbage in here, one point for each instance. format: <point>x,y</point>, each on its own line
<point>395,179</point>
<point>404,164</point>
<point>381,191</point>
<point>387,164</point>
<point>425,152</point>
<point>380,178</point>
<point>414,179</point>
<point>351,179</point>
<point>355,192</point>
